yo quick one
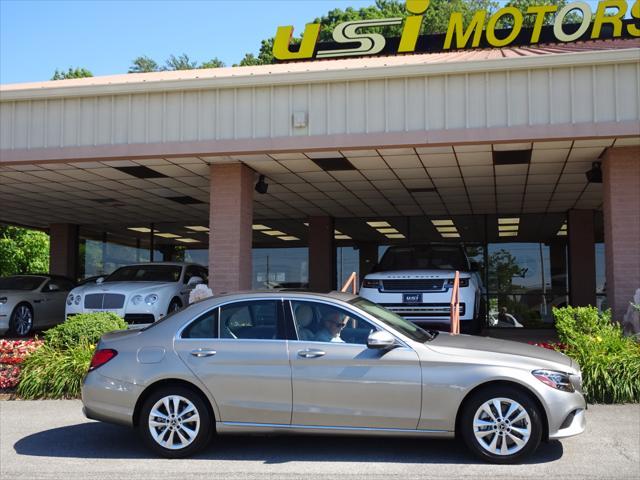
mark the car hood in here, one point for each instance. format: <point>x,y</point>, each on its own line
<point>124,287</point>
<point>485,349</point>
<point>414,274</point>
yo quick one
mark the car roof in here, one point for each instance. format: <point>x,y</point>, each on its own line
<point>279,293</point>
<point>172,264</point>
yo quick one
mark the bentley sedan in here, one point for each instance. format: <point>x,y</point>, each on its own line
<point>281,362</point>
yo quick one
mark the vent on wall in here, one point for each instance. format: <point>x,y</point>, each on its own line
<point>141,172</point>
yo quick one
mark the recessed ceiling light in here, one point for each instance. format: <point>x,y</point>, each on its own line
<point>140,229</point>
<point>387,230</point>
<point>337,232</point>
<point>378,224</point>
<point>141,172</point>
<point>450,235</point>
<point>508,228</point>
<point>333,164</point>
<point>511,157</point>
<point>306,224</point>
<point>507,234</point>
<point>395,235</point>
<point>260,227</point>
<point>563,227</point>
<point>442,223</point>
<point>187,240</point>
<point>342,237</point>
<point>447,229</point>
<point>562,233</point>
<point>167,235</point>
<point>198,228</point>
<point>288,238</point>
<point>273,233</point>
<point>508,221</point>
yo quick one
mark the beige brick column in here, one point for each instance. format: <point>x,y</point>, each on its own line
<point>621,209</point>
<point>63,249</point>
<point>322,254</point>
<point>230,218</point>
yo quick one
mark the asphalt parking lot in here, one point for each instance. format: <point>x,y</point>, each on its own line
<point>52,439</point>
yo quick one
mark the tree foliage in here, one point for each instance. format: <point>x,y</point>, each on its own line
<point>215,62</point>
<point>144,64</point>
<point>23,251</point>
<point>181,62</point>
<point>523,6</point>
<point>71,73</point>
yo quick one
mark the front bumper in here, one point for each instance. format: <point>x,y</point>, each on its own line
<point>574,424</point>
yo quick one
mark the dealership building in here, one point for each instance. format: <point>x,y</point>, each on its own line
<point>488,148</point>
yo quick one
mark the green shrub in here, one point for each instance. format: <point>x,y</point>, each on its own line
<point>610,362</point>
<point>56,369</point>
<point>84,328</point>
<point>53,373</point>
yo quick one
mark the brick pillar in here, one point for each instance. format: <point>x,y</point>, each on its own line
<point>63,249</point>
<point>230,219</point>
<point>582,258</point>
<point>322,254</point>
<point>621,209</point>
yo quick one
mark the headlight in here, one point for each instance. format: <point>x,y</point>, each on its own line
<point>464,282</point>
<point>370,283</point>
<point>151,299</point>
<point>137,300</point>
<point>557,380</point>
<point>69,299</point>
<point>3,300</point>
<point>77,300</point>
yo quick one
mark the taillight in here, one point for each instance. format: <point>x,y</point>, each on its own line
<point>100,357</point>
<point>370,283</point>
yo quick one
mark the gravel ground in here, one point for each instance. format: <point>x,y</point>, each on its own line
<point>52,439</point>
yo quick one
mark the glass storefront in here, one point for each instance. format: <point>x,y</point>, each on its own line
<point>280,268</point>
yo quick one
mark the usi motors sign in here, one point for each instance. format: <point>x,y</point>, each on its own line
<point>356,38</point>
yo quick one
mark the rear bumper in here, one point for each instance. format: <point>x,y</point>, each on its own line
<point>109,400</point>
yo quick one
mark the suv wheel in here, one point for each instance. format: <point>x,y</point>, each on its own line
<point>501,425</point>
<point>175,422</point>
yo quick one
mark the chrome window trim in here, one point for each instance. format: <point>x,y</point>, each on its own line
<point>326,427</point>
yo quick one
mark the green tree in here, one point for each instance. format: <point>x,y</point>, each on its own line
<point>71,73</point>
<point>23,251</point>
<point>215,62</point>
<point>181,62</point>
<point>144,64</point>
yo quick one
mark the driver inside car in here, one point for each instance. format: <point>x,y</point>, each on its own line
<point>333,324</point>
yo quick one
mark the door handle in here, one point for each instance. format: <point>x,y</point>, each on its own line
<point>311,353</point>
<point>202,352</point>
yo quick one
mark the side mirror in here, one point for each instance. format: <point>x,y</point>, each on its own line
<point>99,280</point>
<point>193,281</point>
<point>380,340</point>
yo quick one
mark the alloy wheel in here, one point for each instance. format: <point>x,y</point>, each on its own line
<point>23,320</point>
<point>174,422</point>
<point>502,426</point>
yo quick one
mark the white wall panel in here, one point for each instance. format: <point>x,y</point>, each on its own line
<point>548,95</point>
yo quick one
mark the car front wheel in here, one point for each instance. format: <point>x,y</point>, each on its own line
<point>501,424</point>
<point>21,321</point>
<point>175,422</point>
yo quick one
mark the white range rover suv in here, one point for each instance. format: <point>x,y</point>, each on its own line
<point>416,281</point>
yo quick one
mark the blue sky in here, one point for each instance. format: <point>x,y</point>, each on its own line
<point>38,37</point>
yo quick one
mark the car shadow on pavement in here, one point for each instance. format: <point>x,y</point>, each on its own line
<point>103,441</point>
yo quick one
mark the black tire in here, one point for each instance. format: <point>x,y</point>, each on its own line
<point>16,322</point>
<point>204,430</point>
<point>503,430</point>
<point>174,306</point>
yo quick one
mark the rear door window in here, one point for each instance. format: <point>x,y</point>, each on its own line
<point>256,319</point>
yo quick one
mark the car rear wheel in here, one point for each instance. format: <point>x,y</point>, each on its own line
<point>501,425</point>
<point>21,321</point>
<point>175,422</point>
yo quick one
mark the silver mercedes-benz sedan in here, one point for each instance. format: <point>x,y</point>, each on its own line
<point>337,364</point>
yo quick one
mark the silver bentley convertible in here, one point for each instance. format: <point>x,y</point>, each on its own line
<point>297,362</point>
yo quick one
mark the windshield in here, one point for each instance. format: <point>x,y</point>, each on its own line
<point>21,283</point>
<point>394,321</point>
<point>423,257</point>
<point>146,273</point>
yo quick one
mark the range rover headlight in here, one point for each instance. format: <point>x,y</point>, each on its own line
<point>366,283</point>
<point>137,299</point>
<point>464,282</point>
<point>69,299</point>
<point>557,380</point>
<point>151,299</point>
<point>77,300</point>
<point>3,300</point>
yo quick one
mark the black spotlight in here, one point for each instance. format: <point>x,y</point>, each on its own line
<point>262,186</point>
<point>595,174</point>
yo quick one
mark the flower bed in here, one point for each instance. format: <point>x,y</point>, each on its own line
<point>12,354</point>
